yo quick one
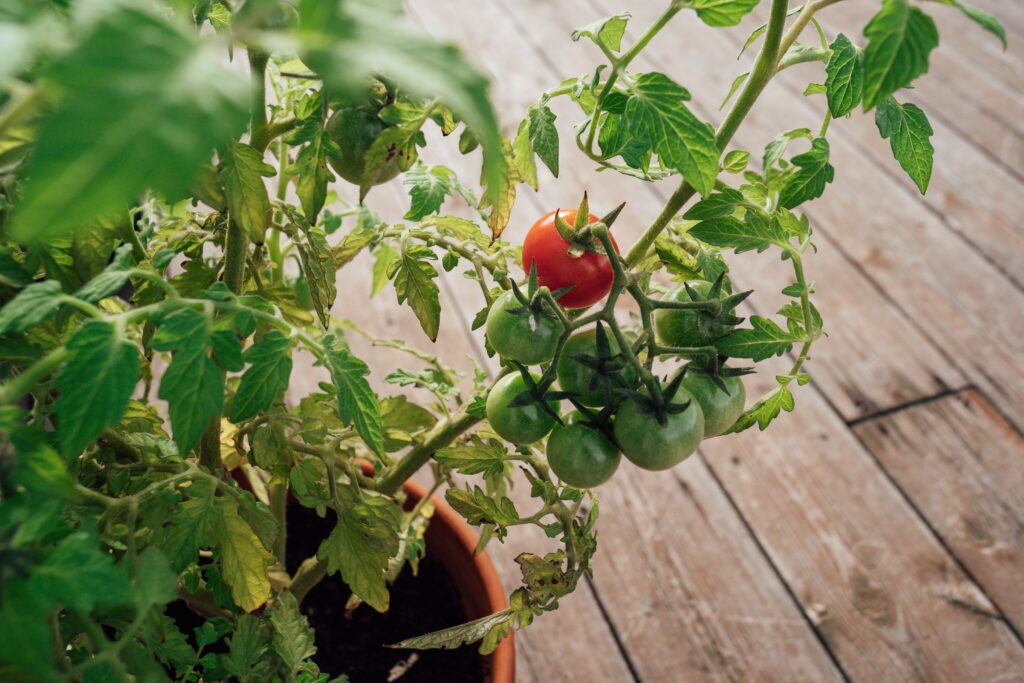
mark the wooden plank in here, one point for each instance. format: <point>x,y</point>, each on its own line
<point>873,359</point>
<point>874,578</point>
<point>944,288</point>
<point>742,618</point>
<point>960,463</point>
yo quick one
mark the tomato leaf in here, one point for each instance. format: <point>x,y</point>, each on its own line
<point>523,155</point>
<point>755,232</point>
<point>682,141</point>
<point>428,188</point>
<point>357,404</point>
<point>721,13</point>
<point>544,136</point>
<point>95,385</point>
<point>760,341</point>
<point>31,306</point>
<point>95,154</point>
<point>241,172</point>
<point>293,639</point>
<point>463,634</point>
<point>766,409</point>
<point>900,39</point>
<point>908,131</point>
<point>361,545</point>
<point>980,17</point>
<point>319,265</point>
<point>814,172</point>
<point>607,31</point>
<point>266,378</point>
<point>716,205</point>
<point>478,507</point>
<point>844,82</point>
<point>415,283</point>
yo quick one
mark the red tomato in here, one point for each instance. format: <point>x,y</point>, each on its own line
<point>590,275</point>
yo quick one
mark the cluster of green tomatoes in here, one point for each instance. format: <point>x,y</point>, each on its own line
<point>614,415</point>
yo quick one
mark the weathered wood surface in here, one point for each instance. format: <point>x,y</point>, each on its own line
<point>960,463</point>
<point>886,552</point>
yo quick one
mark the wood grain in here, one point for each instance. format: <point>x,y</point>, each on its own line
<point>960,463</point>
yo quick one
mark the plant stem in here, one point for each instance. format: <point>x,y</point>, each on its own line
<point>443,433</point>
<point>258,106</point>
<point>12,390</point>
<point>762,72</point>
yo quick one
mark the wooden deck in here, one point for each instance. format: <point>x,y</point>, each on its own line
<point>877,533</point>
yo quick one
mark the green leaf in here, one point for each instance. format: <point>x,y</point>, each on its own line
<point>95,385</point>
<point>500,192</point>
<point>266,378</point>
<point>523,156</point>
<point>192,385</point>
<point>384,256</point>
<point>414,283</point>
<point>428,188</point>
<point>346,42</point>
<point>814,172</point>
<point>361,545</point>
<point>900,38</point>
<point>350,246</point>
<point>227,349</point>
<point>248,649</point>
<point>753,233</point>
<point>716,205</point>
<point>37,466</point>
<point>457,636</point>
<point>293,639</point>
<point>682,141</point>
<point>393,147</point>
<point>311,168</point>
<point>776,148</point>
<point>607,31</point>
<point>908,131</point>
<point>722,12</point>
<point>127,124</point>
<point>319,265</point>
<point>357,404</point>
<point>243,559</point>
<point>31,306</point>
<point>736,83</point>
<point>736,161</point>
<point>485,457</point>
<point>544,136</point>
<point>80,575</point>
<point>766,409</point>
<point>478,507</point>
<point>980,17</point>
<point>402,419</point>
<point>844,83</point>
<point>760,341</point>
<point>155,580</point>
<point>241,172</point>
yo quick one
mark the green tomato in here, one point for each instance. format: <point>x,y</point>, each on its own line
<point>354,131</point>
<point>520,424</point>
<point>521,337</point>
<point>576,377</point>
<point>581,456</point>
<point>721,409</point>
<point>677,327</point>
<point>648,444</point>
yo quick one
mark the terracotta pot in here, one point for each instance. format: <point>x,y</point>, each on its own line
<point>451,541</point>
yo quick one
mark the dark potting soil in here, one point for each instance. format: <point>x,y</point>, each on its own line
<point>354,644</point>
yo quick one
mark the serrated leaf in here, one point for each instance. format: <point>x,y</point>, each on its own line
<point>428,188</point>
<point>607,31</point>
<point>311,169</point>
<point>766,409</point>
<point>980,17</point>
<point>266,378</point>
<point>544,135</point>
<point>241,173</point>
<point>682,141</point>
<point>716,205</point>
<point>909,132</point>
<point>736,161</point>
<point>320,267</point>
<point>357,404</point>
<point>776,148</point>
<point>900,39</point>
<point>500,192</point>
<point>457,636</point>
<point>762,340</point>
<point>813,173</point>
<point>722,12</point>
<point>361,545</point>
<point>248,649</point>
<point>95,385</point>
<point>415,283</point>
<point>227,349</point>
<point>243,559</point>
<point>350,246</point>
<point>94,155</point>
<point>480,508</point>
<point>293,639</point>
<point>31,306</point>
<point>736,83</point>
<point>753,233</point>
<point>844,82</point>
<point>80,575</point>
<point>486,457</point>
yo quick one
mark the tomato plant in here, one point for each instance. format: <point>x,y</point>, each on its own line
<point>175,232</point>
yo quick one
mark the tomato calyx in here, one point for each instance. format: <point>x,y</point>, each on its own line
<point>533,302</point>
<point>607,365</point>
<point>716,372</point>
<point>580,234</point>
<point>718,317</point>
<point>661,407</point>
<point>536,394</point>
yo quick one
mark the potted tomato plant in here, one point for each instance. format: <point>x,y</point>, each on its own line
<point>174,234</point>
